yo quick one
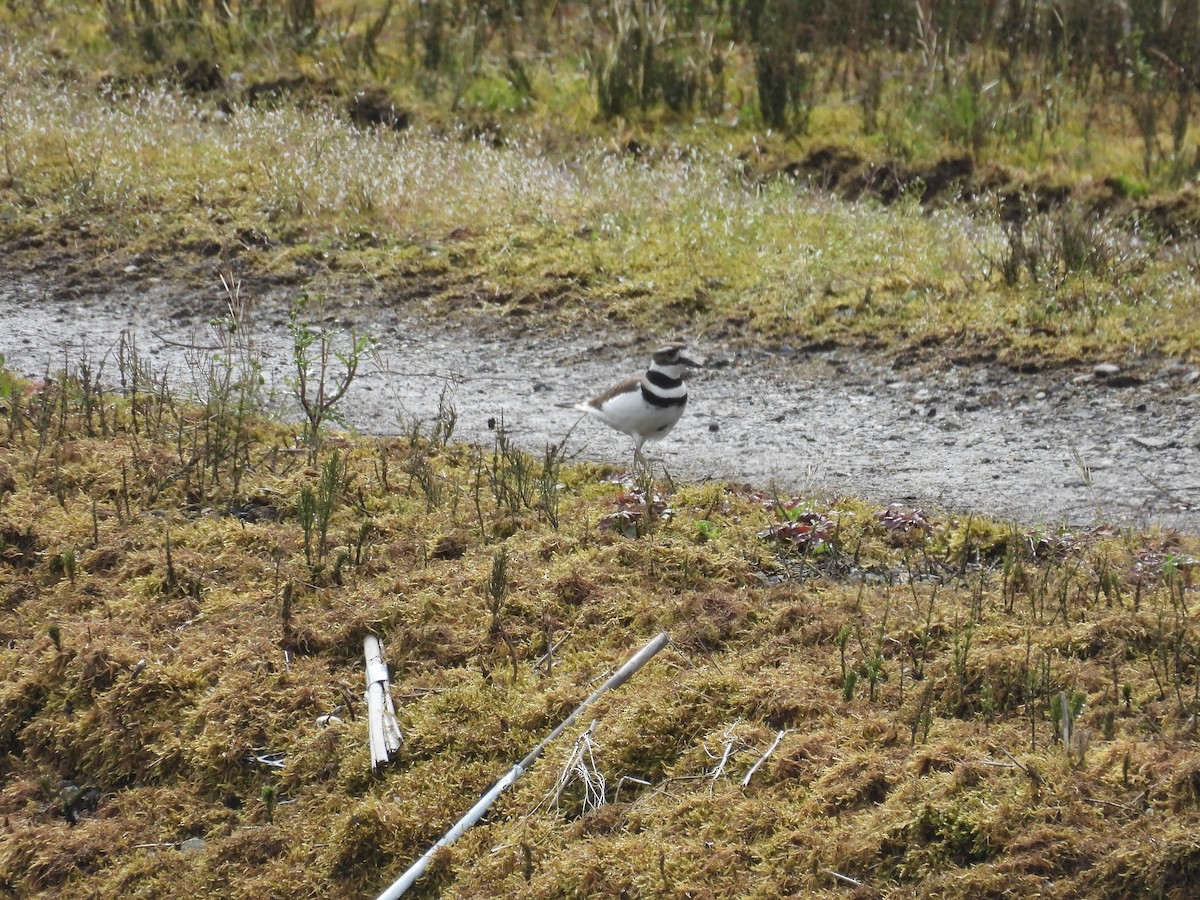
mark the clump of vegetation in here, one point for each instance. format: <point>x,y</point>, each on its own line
<point>324,370</point>
<point>1029,81</point>
<point>885,697</point>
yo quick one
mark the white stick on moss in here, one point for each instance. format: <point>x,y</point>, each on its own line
<point>762,759</point>
<point>730,740</point>
<point>382,727</point>
<point>476,812</point>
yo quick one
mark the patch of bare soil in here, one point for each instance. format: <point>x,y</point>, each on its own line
<point>1111,441</point>
<point>955,179</point>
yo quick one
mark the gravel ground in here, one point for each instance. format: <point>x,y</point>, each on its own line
<point>1110,441</point>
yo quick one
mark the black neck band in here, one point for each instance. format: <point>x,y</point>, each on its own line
<point>662,379</point>
<point>662,402</point>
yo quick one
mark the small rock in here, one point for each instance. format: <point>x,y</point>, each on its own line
<point>130,270</point>
<point>192,845</point>
<point>770,580</point>
<point>1150,443</point>
<point>714,427</point>
<point>1106,370</point>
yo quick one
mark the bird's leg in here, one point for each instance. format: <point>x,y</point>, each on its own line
<point>639,461</point>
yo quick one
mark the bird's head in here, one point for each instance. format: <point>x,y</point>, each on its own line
<point>674,357</point>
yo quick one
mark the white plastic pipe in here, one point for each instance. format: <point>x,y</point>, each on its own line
<point>618,678</point>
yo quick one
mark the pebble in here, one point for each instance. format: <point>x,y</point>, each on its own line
<point>1150,443</point>
<point>192,845</point>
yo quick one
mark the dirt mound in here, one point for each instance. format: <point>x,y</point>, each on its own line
<point>959,178</point>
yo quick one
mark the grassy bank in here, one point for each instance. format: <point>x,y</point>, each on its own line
<point>1060,86</point>
<point>684,240</point>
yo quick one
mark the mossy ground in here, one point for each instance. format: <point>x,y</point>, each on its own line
<point>152,675</point>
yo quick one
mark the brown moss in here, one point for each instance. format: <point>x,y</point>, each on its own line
<point>852,784</point>
<point>910,790</point>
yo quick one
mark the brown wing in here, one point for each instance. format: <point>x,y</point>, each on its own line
<point>621,387</point>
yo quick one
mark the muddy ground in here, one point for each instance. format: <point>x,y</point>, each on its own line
<point>1108,440</point>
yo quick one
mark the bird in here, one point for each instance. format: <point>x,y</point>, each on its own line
<point>646,407</point>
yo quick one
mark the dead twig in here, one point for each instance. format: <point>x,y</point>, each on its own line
<point>762,759</point>
<point>729,740</point>
<point>1112,803</point>
<point>845,879</point>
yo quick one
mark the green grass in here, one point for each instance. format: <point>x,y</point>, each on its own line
<point>681,241</point>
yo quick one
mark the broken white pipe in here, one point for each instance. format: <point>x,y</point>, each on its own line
<point>382,728</point>
<point>476,812</point>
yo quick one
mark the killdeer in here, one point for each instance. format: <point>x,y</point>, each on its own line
<point>645,407</point>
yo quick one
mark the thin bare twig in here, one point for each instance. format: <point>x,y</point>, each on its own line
<point>762,759</point>
<point>1111,803</point>
<point>853,882</point>
<point>719,769</point>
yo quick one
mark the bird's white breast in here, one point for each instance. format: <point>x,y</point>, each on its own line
<point>630,413</point>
